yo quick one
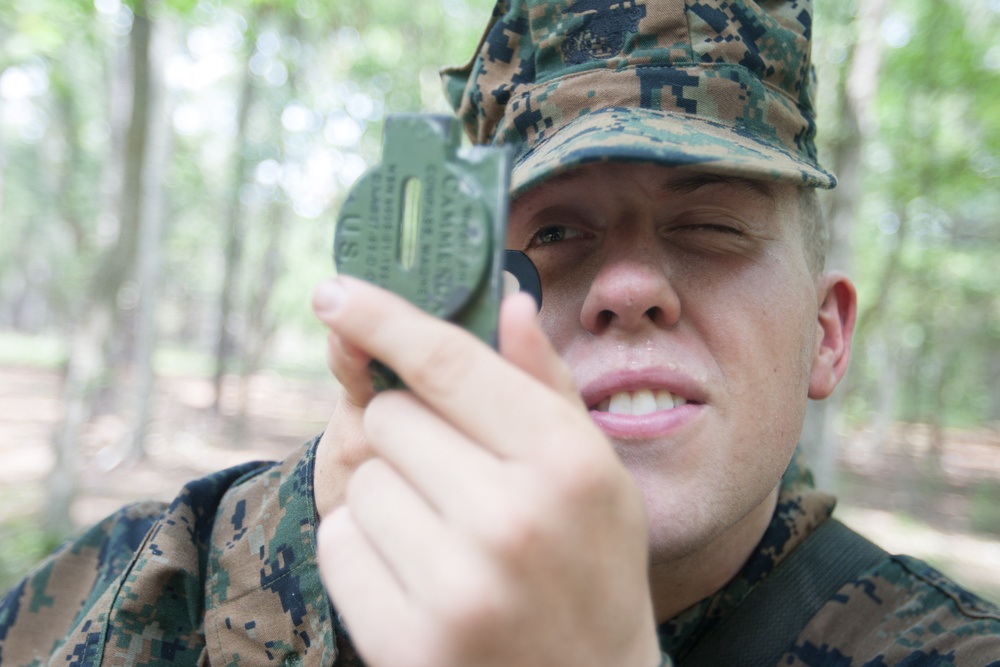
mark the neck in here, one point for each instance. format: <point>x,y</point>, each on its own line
<point>679,584</point>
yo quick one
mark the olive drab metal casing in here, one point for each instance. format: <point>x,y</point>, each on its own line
<point>429,223</point>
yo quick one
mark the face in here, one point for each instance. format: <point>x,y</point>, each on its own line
<point>686,308</point>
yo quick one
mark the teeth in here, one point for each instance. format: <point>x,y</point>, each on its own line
<point>621,404</point>
<point>640,402</point>
<point>643,402</point>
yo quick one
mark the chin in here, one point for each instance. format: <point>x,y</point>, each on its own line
<point>680,522</point>
<point>677,538</point>
<point>694,517</point>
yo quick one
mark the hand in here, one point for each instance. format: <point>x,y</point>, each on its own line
<point>494,525</point>
<point>342,447</point>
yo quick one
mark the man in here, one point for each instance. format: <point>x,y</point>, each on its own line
<point>616,486</point>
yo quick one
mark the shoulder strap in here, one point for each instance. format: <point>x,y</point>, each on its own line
<point>762,628</point>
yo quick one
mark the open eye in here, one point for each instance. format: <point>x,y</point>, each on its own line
<point>553,234</point>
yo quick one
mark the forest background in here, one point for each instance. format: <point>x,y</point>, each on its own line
<point>169,175</point>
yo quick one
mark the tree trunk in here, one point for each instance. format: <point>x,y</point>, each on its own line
<point>3,175</point>
<point>149,262</point>
<point>821,437</point>
<point>82,380</point>
<point>994,364</point>
<point>235,232</point>
<point>260,327</point>
<point>66,178</point>
<point>132,193</point>
<point>95,339</point>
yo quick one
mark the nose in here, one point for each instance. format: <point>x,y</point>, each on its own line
<point>632,289</point>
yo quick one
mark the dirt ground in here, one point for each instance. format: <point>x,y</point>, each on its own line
<point>938,502</point>
<point>186,438</point>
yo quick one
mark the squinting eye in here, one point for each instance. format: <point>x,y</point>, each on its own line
<point>721,229</point>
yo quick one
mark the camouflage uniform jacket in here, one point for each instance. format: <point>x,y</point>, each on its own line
<point>226,575</point>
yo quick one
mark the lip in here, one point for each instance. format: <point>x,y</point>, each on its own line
<point>675,382</point>
<point>643,427</point>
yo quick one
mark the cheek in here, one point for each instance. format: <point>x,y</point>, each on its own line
<point>770,312</point>
<point>558,320</point>
<point>765,351</point>
<point>562,302</point>
<point>798,314</point>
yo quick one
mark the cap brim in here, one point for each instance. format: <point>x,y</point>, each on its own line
<point>664,138</point>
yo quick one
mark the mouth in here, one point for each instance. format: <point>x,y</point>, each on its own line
<point>639,402</point>
<point>640,405</point>
<point>643,414</point>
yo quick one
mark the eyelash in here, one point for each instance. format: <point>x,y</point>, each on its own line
<point>568,233</point>
<point>536,238</point>
<point>724,229</point>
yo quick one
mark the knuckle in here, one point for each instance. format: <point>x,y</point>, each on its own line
<point>591,482</point>
<point>431,648</point>
<point>443,645</point>
<point>515,533</point>
<point>445,363</point>
<point>471,602</point>
<point>587,478</point>
<point>364,484</point>
<point>471,614</point>
<point>381,419</point>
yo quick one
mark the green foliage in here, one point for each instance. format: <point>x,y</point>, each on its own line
<point>927,241</point>
<point>321,78</point>
<point>984,508</point>
<point>45,351</point>
<point>25,543</point>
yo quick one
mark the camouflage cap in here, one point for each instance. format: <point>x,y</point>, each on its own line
<point>723,85</point>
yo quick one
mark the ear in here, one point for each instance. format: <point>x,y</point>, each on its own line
<point>835,327</point>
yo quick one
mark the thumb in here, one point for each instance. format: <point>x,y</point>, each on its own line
<point>523,343</point>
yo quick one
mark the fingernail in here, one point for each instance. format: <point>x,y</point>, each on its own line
<point>328,297</point>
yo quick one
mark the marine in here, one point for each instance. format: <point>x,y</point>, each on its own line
<point>618,483</point>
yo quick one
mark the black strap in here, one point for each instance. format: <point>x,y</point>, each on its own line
<point>762,628</point>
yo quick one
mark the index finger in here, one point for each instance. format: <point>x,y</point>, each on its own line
<point>491,400</point>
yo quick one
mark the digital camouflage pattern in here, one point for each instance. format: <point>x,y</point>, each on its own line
<point>901,612</point>
<point>226,575</point>
<point>726,85</point>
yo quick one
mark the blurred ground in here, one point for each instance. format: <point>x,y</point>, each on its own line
<point>186,440</point>
<point>937,500</point>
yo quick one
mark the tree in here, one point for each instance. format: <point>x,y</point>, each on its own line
<point>97,345</point>
<point>852,128</point>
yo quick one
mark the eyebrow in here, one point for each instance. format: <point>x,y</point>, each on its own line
<point>677,185</point>
<point>692,182</point>
<point>545,186</point>
<point>559,179</point>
